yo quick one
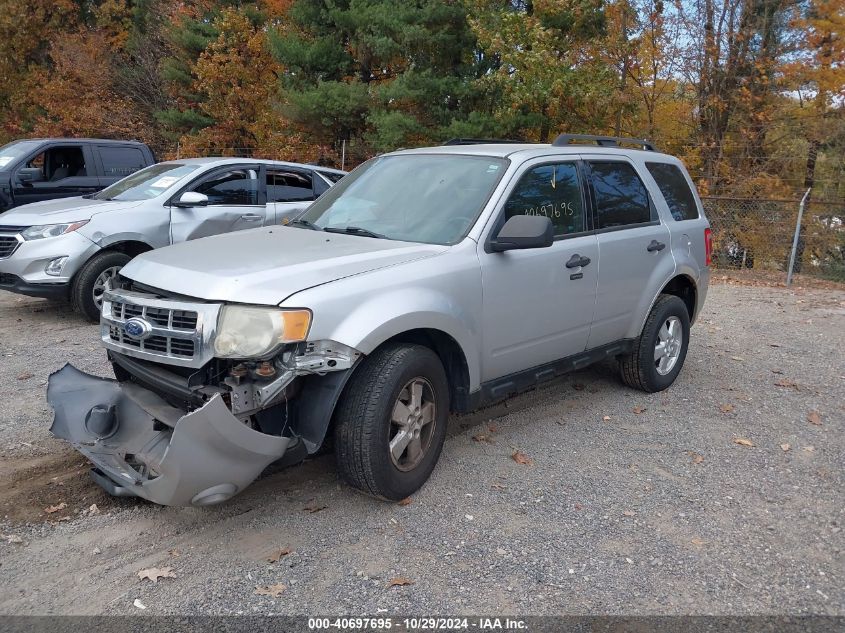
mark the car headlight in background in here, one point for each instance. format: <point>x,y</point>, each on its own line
<point>51,230</point>
<point>252,332</point>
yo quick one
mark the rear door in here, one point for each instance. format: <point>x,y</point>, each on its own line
<point>290,191</point>
<point>632,243</point>
<point>538,303</point>
<point>118,161</point>
<point>236,201</point>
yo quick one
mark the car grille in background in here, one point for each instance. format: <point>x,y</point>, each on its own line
<point>8,245</point>
<point>174,320</point>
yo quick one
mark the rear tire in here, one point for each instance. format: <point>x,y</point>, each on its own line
<point>87,291</point>
<point>660,351</point>
<point>390,423</point>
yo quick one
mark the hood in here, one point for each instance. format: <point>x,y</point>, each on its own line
<point>265,266</point>
<point>61,210</point>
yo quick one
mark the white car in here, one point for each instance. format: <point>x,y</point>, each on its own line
<point>71,248</point>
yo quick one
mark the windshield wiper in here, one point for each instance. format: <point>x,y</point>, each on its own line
<point>354,230</point>
<point>305,223</point>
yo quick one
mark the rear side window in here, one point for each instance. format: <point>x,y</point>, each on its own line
<point>552,191</point>
<point>675,189</point>
<point>289,186</point>
<point>121,161</point>
<point>621,197</point>
<point>332,176</point>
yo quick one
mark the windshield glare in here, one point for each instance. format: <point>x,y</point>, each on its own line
<point>13,151</point>
<point>429,198</point>
<point>147,183</point>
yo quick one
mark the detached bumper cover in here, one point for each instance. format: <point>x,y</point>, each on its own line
<point>142,446</point>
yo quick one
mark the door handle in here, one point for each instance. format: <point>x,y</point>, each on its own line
<point>576,260</point>
<point>250,217</point>
<point>655,246</point>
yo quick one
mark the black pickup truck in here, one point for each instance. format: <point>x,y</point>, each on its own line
<point>32,170</point>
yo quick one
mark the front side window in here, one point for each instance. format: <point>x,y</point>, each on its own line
<point>675,189</point>
<point>621,197</point>
<point>57,163</point>
<point>147,183</point>
<point>428,198</point>
<point>289,186</point>
<point>234,187</point>
<point>552,191</point>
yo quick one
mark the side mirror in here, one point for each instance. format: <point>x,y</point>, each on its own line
<point>191,199</point>
<point>30,174</point>
<point>524,231</point>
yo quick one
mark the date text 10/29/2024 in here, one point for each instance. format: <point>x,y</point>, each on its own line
<point>417,624</point>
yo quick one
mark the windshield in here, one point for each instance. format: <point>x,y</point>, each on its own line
<point>429,198</point>
<point>13,151</point>
<point>147,183</point>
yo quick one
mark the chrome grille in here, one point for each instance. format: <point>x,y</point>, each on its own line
<point>8,245</point>
<point>179,332</point>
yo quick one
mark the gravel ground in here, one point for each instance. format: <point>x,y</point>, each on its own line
<point>619,512</point>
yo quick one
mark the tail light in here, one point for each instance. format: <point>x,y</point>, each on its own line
<point>708,246</point>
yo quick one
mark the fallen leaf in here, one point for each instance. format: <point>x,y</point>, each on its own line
<point>813,417</point>
<point>743,442</point>
<point>278,554</point>
<point>737,358</point>
<point>606,418</point>
<point>480,437</point>
<point>12,538</point>
<point>629,513</point>
<point>698,542</point>
<point>499,487</point>
<point>726,408</point>
<point>154,573</point>
<point>139,604</point>
<point>809,449</point>
<point>578,386</point>
<point>313,508</point>
<point>777,371</point>
<point>521,458</point>
<point>405,502</point>
<point>175,553</point>
<point>696,458</point>
<point>52,509</point>
<point>25,376</point>
<point>270,590</point>
<point>638,409</point>
<point>786,382</point>
<point>493,428</point>
<point>578,506</point>
<point>399,582</point>
<point>785,447</point>
<point>774,344</point>
<point>93,509</point>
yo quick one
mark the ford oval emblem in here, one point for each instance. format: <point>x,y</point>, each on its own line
<point>137,328</point>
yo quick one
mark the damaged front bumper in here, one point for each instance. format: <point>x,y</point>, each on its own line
<point>142,446</point>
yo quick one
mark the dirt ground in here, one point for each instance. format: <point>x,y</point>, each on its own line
<point>723,495</point>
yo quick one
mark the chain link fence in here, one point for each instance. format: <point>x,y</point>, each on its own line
<point>758,233</point>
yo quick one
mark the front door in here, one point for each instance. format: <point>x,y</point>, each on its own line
<point>235,203</point>
<point>633,246</point>
<point>538,303</point>
<point>57,171</point>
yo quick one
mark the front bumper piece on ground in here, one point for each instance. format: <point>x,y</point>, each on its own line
<point>142,446</point>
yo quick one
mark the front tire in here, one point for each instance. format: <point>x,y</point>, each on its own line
<point>660,351</point>
<point>89,284</point>
<point>390,423</point>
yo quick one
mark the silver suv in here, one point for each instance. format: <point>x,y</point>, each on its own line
<point>427,281</point>
<point>70,248</point>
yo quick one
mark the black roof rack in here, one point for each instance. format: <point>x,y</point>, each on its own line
<point>602,141</point>
<point>480,141</point>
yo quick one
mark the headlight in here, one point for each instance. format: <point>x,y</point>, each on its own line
<point>246,332</point>
<point>51,230</point>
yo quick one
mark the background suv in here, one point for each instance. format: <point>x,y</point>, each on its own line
<point>72,248</point>
<point>427,281</point>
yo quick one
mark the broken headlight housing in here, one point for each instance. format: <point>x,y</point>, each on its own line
<point>255,332</point>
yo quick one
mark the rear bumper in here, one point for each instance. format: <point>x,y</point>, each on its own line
<point>142,446</point>
<point>13,283</point>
